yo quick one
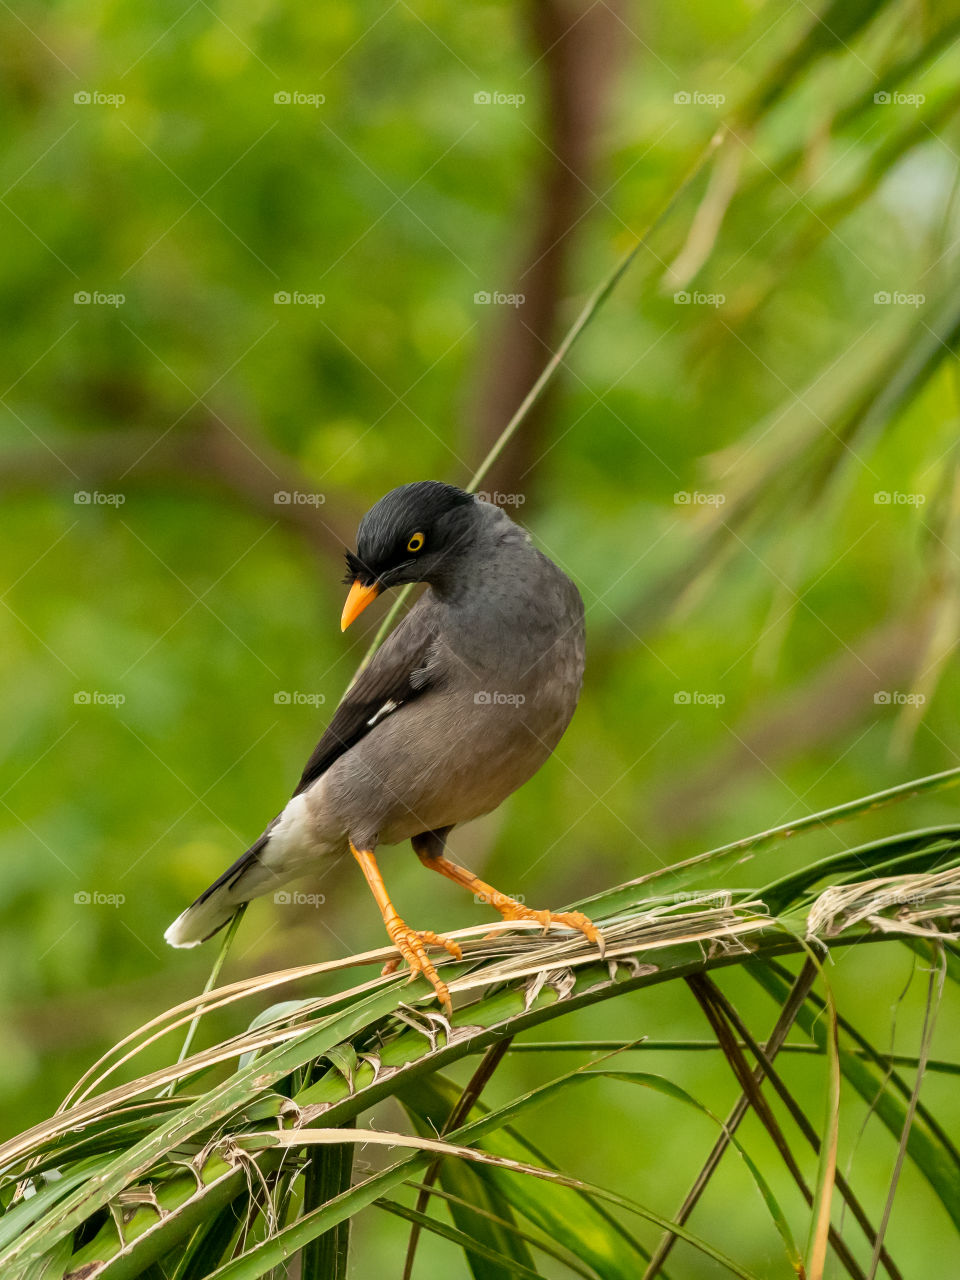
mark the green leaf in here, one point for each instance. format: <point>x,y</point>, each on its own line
<point>501,1264</point>
<point>214,1106</point>
<point>212,1242</point>
<point>257,1261</point>
<point>327,1175</point>
<point>282,1009</point>
<point>924,1145</point>
<point>509,1227</point>
<point>564,1214</point>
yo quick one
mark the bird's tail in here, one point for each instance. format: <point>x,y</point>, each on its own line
<point>246,879</point>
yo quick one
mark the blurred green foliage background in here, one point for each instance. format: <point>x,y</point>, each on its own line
<point>749,466</point>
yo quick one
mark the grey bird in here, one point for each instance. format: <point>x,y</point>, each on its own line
<point>461,705</point>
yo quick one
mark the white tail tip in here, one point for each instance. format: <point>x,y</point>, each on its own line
<point>177,935</point>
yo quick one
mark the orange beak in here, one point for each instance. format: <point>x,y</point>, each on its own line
<point>357,600</point>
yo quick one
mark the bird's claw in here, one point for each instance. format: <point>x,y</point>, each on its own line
<point>412,944</point>
<point>572,919</point>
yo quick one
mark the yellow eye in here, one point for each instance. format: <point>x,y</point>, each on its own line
<point>416,542</point>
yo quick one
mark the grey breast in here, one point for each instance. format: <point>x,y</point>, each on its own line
<point>507,668</point>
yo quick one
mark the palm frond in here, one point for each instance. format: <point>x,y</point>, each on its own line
<point>123,1179</point>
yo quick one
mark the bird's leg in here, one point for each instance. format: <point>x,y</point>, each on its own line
<point>429,849</point>
<point>409,942</point>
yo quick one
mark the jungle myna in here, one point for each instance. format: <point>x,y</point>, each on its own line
<point>462,704</point>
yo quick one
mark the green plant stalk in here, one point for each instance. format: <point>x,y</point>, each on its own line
<point>711,1046</point>
<point>934,992</point>
<point>917,852</point>
<point>921,841</point>
<point>477,1025</point>
<point>225,944</point>
<point>819,1237</point>
<point>328,1174</point>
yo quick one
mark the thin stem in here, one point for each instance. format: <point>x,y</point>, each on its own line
<point>458,1116</point>
<point>777,1037</point>
<point>934,994</point>
<point>550,370</point>
<point>802,1123</point>
<point>211,982</point>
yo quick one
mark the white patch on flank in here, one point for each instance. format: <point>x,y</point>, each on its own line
<point>293,835</point>
<point>385,710</point>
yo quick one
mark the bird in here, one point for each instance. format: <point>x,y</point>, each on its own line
<point>460,706</point>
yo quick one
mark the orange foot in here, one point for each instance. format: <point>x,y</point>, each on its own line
<point>511,910</point>
<point>412,943</point>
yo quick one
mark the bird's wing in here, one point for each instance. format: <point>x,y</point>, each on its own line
<point>399,671</point>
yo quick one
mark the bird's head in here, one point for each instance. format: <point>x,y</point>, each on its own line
<point>413,534</point>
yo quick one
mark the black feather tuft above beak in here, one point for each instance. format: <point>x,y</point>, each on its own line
<point>415,533</point>
<point>357,571</point>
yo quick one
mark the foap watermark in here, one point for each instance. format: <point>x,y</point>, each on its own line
<point>495,98</point>
<point>94,498</point>
<point>96,98</point>
<point>696,98</point>
<point>498,499</point>
<point>498,698</point>
<point>295,498</point>
<point>494,298</point>
<point>97,298</point>
<point>94,898</point>
<point>694,498</point>
<point>297,298</point>
<point>94,698</point>
<point>896,298</point>
<point>295,898</point>
<point>684,298</point>
<point>294,698</point>
<point>897,98</point>
<point>297,98</point>
<point>497,898</point>
<point>720,898</point>
<point>908,898</point>
<point>896,698</point>
<point>695,698</point>
<point>894,498</point>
